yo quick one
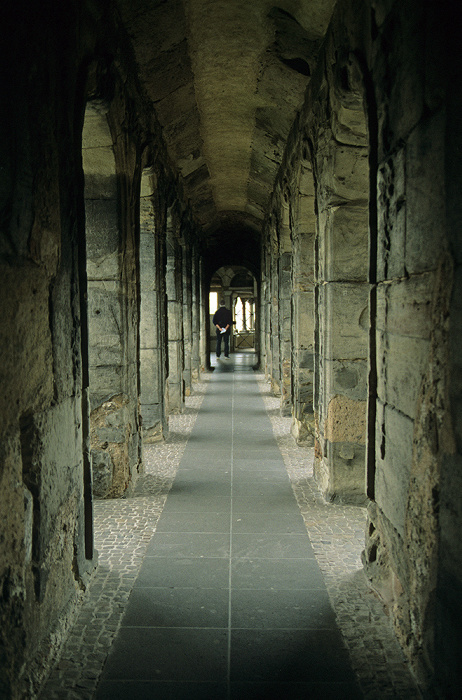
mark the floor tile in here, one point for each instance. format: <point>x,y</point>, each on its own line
<point>199,490</point>
<point>196,475</point>
<point>273,491</point>
<point>185,504</point>
<point>289,609</point>
<point>184,573</point>
<point>273,546</point>
<point>187,544</point>
<point>194,522</point>
<point>248,473</point>
<point>177,607</point>
<point>260,522</point>
<point>276,573</point>
<point>288,656</point>
<point>273,506</point>
<point>168,654</point>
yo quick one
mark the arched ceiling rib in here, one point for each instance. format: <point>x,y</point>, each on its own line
<point>226,78</point>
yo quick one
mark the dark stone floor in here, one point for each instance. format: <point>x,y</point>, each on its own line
<point>229,601</point>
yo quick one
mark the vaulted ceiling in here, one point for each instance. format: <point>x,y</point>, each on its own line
<point>226,78</point>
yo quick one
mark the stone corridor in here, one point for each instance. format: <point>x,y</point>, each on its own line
<point>226,575</point>
<point>300,163</point>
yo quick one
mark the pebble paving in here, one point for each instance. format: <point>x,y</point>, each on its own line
<point>123,529</point>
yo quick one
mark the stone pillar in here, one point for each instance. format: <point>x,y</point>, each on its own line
<point>257,302</point>
<point>343,320</point>
<point>112,312</point>
<point>285,332</point>
<point>265,312</point>
<point>175,320</point>
<point>196,317</point>
<point>204,319</point>
<point>303,305</point>
<point>275,367</point>
<point>187,317</point>
<point>152,319</point>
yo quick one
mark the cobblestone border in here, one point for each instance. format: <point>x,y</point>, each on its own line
<point>337,534</point>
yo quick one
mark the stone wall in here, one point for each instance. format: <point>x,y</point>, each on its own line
<point>375,310</point>
<point>70,209</point>
<point>414,439</point>
<point>45,511</point>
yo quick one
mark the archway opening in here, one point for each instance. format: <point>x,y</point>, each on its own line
<point>236,286</point>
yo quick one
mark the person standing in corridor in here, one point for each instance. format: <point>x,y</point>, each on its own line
<point>222,320</point>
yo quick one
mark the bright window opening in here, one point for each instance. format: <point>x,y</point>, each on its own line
<point>213,302</point>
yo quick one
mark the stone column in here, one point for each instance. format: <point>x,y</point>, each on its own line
<point>112,310</point>
<point>204,319</point>
<point>343,318</point>
<point>265,313</point>
<point>187,317</point>
<point>196,317</point>
<point>285,332</point>
<point>303,304</point>
<point>152,320</point>
<point>175,320</point>
<point>275,367</point>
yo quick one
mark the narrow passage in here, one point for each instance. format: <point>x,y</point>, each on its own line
<point>229,601</point>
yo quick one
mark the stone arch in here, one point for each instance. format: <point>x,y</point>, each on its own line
<point>230,283</point>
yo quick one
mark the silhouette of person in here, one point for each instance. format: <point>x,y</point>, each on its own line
<point>222,320</point>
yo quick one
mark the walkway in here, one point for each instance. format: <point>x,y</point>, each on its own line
<point>229,598</point>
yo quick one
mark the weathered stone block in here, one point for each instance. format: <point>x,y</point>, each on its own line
<point>346,421</point>
<point>398,80</point>
<point>96,133</point>
<point>345,173</point>
<point>151,387</point>
<point>347,378</point>
<point>347,473</point>
<point>106,354</point>
<point>404,307</point>
<point>104,383</point>
<point>399,381</point>
<point>153,433</point>
<point>105,267</point>
<point>425,195</point>
<point>349,125</point>
<point>102,229</point>
<point>175,331</point>
<point>104,310</point>
<point>149,321</point>
<point>394,437</point>
<point>391,218</point>
<point>302,430</point>
<point>305,359</point>
<point>111,433</point>
<point>102,473</point>
<point>344,309</point>
<point>346,244</point>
